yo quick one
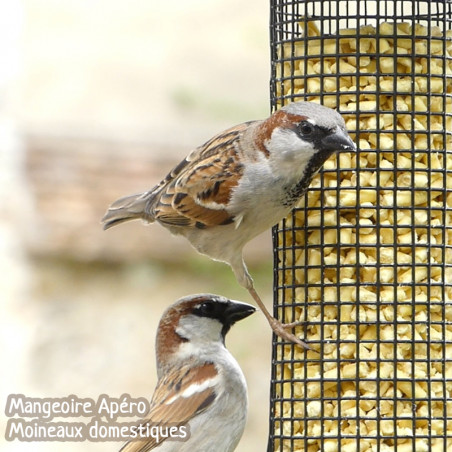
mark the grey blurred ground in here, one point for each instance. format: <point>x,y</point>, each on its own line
<point>99,99</point>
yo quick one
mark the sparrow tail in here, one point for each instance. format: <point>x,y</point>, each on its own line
<point>128,208</point>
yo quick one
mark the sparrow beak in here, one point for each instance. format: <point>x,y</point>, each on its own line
<point>338,141</point>
<point>236,310</point>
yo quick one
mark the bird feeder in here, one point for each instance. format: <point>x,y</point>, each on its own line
<point>365,260</point>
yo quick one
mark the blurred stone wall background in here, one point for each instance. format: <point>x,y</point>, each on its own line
<point>99,99</point>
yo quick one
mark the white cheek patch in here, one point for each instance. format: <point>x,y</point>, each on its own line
<point>287,146</point>
<point>198,330</point>
<point>283,142</point>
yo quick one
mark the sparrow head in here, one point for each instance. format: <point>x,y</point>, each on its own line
<point>301,132</point>
<point>195,322</point>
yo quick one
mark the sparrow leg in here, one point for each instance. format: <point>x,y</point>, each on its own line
<point>281,329</point>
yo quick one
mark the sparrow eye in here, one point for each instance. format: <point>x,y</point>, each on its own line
<point>207,308</point>
<point>306,128</point>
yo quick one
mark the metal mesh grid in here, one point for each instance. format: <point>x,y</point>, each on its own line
<point>366,259</point>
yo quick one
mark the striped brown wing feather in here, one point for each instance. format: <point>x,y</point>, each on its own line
<point>169,408</point>
<point>196,193</point>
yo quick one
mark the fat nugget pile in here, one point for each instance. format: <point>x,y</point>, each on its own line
<point>373,269</point>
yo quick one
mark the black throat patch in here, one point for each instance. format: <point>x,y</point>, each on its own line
<point>294,192</point>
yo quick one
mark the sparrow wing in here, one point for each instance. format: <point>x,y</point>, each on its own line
<point>178,397</point>
<point>197,191</point>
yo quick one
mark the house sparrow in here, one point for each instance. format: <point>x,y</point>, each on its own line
<point>200,385</point>
<point>240,183</point>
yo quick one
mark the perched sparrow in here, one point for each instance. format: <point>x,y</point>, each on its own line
<point>200,384</point>
<point>240,183</point>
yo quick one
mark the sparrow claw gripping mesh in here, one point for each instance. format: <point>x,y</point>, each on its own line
<point>366,259</point>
